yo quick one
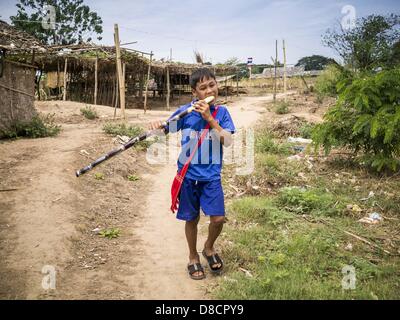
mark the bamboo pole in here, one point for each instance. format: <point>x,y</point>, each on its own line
<point>65,79</point>
<point>168,89</point>
<point>147,83</point>
<point>116,96</point>
<point>95,79</point>
<point>284,70</point>
<point>121,80</point>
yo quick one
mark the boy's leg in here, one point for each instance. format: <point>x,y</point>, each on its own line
<point>189,211</point>
<point>214,230</point>
<point>212,203</point>
<point>191,237</point>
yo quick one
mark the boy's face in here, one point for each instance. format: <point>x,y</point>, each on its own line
<point>206,87</point>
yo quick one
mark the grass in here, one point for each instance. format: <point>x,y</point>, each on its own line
<point>310,201</point>
<point>266,143</point>
<point>289,258</point>
<point>277,246</point>
<point>39,127</point>
<point>89,113</point>
<point>122,129</point>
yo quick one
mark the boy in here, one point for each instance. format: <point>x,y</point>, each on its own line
<point>201,186</point>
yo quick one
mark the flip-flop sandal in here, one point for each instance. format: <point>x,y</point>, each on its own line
<point>213,260</point>
<point>196,267</point>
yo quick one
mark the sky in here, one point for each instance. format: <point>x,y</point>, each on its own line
<point>221,29</point>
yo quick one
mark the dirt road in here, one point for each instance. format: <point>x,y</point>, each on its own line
<point>50,220</point>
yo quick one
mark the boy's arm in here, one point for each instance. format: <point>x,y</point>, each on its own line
<point>224,135</point>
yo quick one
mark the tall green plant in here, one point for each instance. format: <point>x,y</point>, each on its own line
<point>366,118</point>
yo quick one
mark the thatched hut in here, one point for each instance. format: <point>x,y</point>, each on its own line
<point>91,75</point>
<point>17,79</point>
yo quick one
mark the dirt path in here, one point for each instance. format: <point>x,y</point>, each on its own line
<point>50,218</point>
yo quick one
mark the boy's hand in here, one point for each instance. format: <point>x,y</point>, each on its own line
<point>155,125</point>
<point>204,109</point>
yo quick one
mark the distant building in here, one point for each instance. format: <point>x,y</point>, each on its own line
<point>291,71</point>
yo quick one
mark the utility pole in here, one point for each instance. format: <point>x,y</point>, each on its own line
<point>284,70</point>
<point>275,63</point>
<point>147,83</point>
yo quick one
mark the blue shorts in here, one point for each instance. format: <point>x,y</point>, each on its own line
<point>205,194</point>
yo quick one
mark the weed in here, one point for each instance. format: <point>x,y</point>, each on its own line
<point>89,112</point>
<point>110,233</point>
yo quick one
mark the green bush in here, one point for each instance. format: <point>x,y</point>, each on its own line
<point>325,85</point>
<point>40,126</point>
<point>306,130</point>
<point>89,112</point>
<point>282,107</point>
<point>366,118</point>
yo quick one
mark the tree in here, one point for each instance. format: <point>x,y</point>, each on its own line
<point>74,22</point>
<point>232,61</point>
<point>369,44</point>
<point>366,117</point>
<point>314,62</point>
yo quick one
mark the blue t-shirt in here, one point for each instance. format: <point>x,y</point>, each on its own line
<point>207,162</point>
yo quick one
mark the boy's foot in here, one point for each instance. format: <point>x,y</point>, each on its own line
<point>195,269</point>
<point>213,259</point>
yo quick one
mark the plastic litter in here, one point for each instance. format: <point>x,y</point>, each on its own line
<point>299,140</point>
<point>373,218</point>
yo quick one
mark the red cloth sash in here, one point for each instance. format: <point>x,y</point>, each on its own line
<point>178,180</point>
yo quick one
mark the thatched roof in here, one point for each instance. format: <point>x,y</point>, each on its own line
<point>13,39</point>
<point>159,67</point>
<point>84,55</point>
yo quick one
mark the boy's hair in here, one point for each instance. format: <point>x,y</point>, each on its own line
<point>200,74</point>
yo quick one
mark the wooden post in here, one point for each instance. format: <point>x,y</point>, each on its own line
<point>58,79</point>
<point>226,86</point>
<point>65,79</point>
<point>180,85</point>
<point>121,80</point>
<point>284,70</point>
<point>237,82</point>
<point>116,96</point>
<point>275,63</point>
<point>123,76</point>
<point>147,82</point>
<point>168,89</point>
<point>95,79</point>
